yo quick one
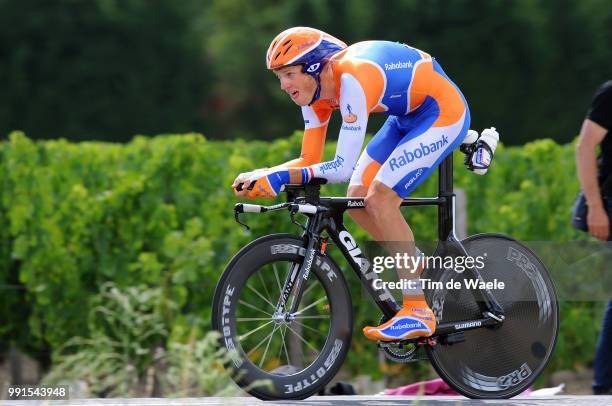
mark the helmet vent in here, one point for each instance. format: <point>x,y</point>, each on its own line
<point>277,55</point>
<point>287,50</point>
<point>286,42</point>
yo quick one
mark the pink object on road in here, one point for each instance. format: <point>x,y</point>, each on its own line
<point>435,387</point>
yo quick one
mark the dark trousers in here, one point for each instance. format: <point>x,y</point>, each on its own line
<point>602,365</point>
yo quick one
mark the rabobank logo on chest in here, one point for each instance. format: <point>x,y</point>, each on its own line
<point>419,152</point>
<point>398,65</point>
<point>333,165</point>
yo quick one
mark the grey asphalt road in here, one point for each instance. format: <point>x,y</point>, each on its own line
<point>337,401</point>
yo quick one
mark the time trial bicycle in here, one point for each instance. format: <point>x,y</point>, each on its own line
<point>285,314</point>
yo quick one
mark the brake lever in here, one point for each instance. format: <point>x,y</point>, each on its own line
<point>237,210</point>
<point>240,222</point>
<point>293,211</point>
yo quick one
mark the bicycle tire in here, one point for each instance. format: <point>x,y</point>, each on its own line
<point>285,381</point>
<point>502,361</point>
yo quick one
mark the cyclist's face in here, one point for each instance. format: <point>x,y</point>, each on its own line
<point>298,85</point>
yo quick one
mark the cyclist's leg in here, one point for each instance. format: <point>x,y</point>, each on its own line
<point>374,155</point>
<point>445,110</point>
<point>416,156</point>
<point>382,204</point>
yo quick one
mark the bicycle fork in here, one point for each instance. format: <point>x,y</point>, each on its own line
<point>297,277</point>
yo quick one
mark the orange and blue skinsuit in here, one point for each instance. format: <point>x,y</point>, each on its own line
<point>428,118</point>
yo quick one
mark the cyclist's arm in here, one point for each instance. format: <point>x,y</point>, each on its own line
<point>312,148</point>
<point>315,130</point>
<point>351,135</point>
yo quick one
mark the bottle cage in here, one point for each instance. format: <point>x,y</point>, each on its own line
<point>470,149</point>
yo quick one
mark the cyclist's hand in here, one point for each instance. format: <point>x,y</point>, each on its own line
<point>269,185</point>
<point>245,179</point>
<point>598,223</point>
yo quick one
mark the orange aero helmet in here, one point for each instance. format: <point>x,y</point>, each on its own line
<point>304,46</point>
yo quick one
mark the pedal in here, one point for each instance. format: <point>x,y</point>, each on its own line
<point>402,343</point>
<point>427,341</point>
<point>454,338</point>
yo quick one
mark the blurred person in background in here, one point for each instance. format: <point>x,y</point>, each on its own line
<point>594,206</point>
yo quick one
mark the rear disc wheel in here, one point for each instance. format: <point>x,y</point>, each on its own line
<point>504,360</point>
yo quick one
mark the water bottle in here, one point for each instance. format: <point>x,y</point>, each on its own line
<point>470,138</point>
<point>484,150</point>
<point>467,146</point>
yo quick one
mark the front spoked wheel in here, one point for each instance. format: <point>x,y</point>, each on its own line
<point>504,360</point>
<point>282,355</point>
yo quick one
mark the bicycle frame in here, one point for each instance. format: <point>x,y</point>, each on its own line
<point>328,217</point>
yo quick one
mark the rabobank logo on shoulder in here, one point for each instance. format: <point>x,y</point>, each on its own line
<point>418,152</point>
<point>398,65</point>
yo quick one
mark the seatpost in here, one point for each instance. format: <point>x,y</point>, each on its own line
<point>445,190</point>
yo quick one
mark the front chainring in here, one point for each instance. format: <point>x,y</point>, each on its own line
<point>402,351</point>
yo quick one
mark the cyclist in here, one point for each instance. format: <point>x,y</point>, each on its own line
<point>428,118</point>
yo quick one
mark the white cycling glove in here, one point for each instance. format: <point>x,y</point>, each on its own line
<point>251,176</point>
